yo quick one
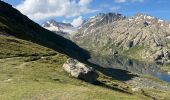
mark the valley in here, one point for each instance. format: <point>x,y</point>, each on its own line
<point>129,56</point>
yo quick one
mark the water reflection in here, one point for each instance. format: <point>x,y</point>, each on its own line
<point>134,66</point>
<point>163,76</point>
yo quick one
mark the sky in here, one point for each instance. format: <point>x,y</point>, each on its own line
<point>75,11</point>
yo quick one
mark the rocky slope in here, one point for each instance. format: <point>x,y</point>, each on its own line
<point>63,29</point>
<point>100,20</point>
<point>140,37</point>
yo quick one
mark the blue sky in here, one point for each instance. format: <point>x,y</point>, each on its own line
<point>88,8</point>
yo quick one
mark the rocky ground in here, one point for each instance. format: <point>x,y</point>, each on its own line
<point>139,83</point>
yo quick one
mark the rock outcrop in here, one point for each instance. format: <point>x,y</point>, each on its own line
<point>80,70</point>
<point>140,37</point>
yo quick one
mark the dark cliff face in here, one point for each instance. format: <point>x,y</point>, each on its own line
<point>141,37</point>
<point>13,23</point>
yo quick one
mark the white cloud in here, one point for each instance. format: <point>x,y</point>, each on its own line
<point>114,8</point>
<point>77,21</point>
<point>120,1</point>
<point>85,2</point>
<point>123,1</point>
<point>41,9</point>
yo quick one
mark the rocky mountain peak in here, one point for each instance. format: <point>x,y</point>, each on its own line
<point>113,32</point>
<point>144,17</point>
<point>101,19</point>
<point>116,16</point>
<point>149,20</point>
<point>52,21</point>
<point>59,27</point>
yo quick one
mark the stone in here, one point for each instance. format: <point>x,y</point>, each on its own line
<point>80,70</point>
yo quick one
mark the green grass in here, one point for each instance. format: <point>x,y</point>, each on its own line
<point>135,53</point>
<point>13,23</point>
<point>44,79</point>
<point>29,71</point>
<point>11,47</point>
<point>24,74</point>
<point>156,94</point>
<point>166,68</point>
<point>154,79</point>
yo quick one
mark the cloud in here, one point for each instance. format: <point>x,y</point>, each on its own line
<point>77,21</point>
<point>42,9</point>
<point>114,8</point>
<point>123,1</point>
<point>120,1</point>
<point>85,2</point>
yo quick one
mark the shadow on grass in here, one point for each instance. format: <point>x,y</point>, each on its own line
<point>111,87</point>
<point>117,74</point>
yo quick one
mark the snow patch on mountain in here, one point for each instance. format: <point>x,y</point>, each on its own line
<point>59,27</point>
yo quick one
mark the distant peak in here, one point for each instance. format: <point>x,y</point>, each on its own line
<point>109,14</point>
<point>100,14</point>
<point>52,21</point>
<point>102,19</point>
<point>140,14</point>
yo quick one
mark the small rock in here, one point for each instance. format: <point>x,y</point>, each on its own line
<point>135,89</point>
<point>8,80</point>
<point>80,70</point>
<point>42,57</point>
<point>169,73</point>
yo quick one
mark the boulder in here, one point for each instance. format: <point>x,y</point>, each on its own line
<point>80,70</point>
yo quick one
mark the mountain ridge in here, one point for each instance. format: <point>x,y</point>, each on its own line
<point>146,35</point>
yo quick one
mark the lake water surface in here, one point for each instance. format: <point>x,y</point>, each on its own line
<point>131,66</point>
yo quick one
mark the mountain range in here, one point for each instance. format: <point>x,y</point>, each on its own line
<point>113,33</point>
<point>141,37</point>
<point>32,57</point>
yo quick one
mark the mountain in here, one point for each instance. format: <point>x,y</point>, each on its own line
<point>60,28</point>
<point>100,20</point>
<point>31,60</point>
<point>13,23</point>
<point>140,37</point>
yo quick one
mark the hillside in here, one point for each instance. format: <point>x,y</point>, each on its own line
<point>30,71</point>
<point>31,60</point>
<point>140,37</point>
<point>13,23</point>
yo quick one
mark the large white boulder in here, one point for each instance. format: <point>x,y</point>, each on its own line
<point>80,70</point>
